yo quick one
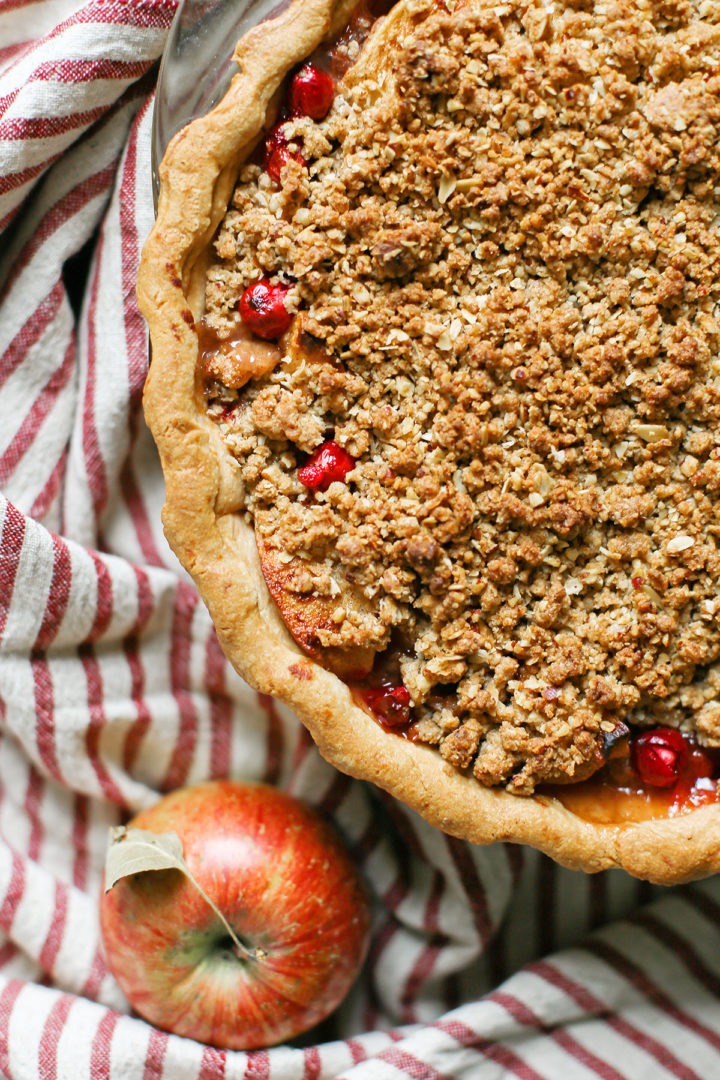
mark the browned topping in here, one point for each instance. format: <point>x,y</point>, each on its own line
<point>505,248</point>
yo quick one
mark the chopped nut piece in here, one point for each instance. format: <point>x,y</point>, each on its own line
<point>446,188</point>
<point>678,544</point>
<point>650,432</point>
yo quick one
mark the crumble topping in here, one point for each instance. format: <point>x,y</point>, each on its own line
<point>503,247</point>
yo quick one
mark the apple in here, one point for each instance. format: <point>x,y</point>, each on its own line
<point>286,886</point>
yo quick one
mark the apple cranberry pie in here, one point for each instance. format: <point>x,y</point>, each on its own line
<point>436,384</point>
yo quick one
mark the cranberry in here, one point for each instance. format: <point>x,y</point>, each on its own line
<point>701,765</point>
<point>391,704</point>
<point>311,92</point>
<point>326,464</point>
<point>637,582</point>
<point>278,154</point>
<point>658,756</point>
<point>263,310</point>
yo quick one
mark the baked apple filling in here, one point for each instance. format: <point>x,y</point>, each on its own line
<point>462,337</point>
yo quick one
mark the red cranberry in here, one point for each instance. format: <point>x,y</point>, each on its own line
<point>326,464</point>
<point>278,154</point>
<point>311,92</point>
<point>391,705</point>
<point>637,582</point>
<point>658,756</point>
<point>263,310</point>
<point>701,764</point>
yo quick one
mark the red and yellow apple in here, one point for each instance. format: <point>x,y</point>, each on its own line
<point>286,885</point>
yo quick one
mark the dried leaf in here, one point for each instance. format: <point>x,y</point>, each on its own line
<point>131,851</point>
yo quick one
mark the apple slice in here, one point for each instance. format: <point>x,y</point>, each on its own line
<point>307,615</point>
<point>235,360</point>
<point>242,357</point>
<point>303,348</point>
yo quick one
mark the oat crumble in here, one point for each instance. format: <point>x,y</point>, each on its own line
<point>503,249</point>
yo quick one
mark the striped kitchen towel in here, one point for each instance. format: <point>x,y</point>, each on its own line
<point>485,962</point>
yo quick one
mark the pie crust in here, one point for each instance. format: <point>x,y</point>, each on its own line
<point>215,544</point>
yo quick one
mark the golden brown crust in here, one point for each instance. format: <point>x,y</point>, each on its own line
<point>218,547</point>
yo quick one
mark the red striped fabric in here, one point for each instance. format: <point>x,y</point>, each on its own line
<point>485,962</point>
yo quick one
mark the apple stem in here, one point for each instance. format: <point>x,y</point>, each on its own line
<point>241,950</point>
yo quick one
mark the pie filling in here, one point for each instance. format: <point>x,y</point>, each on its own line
<point>462,335</point>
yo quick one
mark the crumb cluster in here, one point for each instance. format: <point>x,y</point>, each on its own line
<point>504,248</point>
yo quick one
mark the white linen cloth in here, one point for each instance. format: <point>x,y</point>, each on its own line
<point>485,962</point>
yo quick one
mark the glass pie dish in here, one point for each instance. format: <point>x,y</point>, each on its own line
<point>197,64</point>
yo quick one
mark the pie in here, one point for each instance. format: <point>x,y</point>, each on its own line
<point>435,381</point>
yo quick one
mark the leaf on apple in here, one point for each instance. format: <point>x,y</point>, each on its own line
<point>134,851</point>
